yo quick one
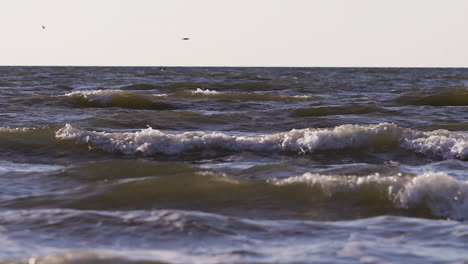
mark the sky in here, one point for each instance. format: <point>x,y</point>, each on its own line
<point>310,33</point>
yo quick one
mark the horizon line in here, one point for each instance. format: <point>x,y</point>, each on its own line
<point>239,66</point>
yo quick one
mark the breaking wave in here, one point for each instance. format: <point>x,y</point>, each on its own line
<point>147,142</point>
<point>326,197</point>
<point>442,194</point>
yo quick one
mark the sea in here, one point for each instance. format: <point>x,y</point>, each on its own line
<point>233,165</point>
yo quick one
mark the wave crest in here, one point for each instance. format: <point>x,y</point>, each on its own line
<point>149,141</point>
<point>458,97</point>
<point>116,98</point>
<point>441,143</point>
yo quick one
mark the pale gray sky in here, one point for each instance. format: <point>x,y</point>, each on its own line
<point>401,33</point>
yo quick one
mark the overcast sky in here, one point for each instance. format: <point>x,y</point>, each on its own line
<point>398,33</point>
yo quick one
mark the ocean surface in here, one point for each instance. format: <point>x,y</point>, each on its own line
<point>233,165</point>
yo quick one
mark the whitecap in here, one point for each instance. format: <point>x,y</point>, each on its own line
<point>206,91</point>
<point>441,143</point>
<point>444,195</point>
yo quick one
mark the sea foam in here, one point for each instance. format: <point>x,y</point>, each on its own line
<point>441,143</point>
<point>206,91</point>
<point>444,195</point>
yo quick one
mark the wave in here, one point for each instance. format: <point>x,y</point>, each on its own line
<point>148,142</point>
<point>116,98</point>
<point>335,110</point>
<point>37,145</point>
<point>448,77</point>
<point>206,93</point>
<point>158,101</point>
<point>443,195</point>
<point>352,139</point>
<point>173,236</point>
<point>315,196</point>
<point>458,97</point>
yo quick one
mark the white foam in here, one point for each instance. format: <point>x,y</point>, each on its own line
<point>160,95</point>
<point>331,185</point>
<point>302,96</point>
<point>444,195</point>
<point>15,129</point>
<point>441,143</point>
<point>206,91</point>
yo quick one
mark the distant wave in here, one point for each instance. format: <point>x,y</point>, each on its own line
<point>439,143</point>
<point>448,77</point>
<point>174,86</point>
<point>458,97</point>
<point>116,98</point>
<point>202,93</point>
<point>161,101</point>
<point>336,110</point>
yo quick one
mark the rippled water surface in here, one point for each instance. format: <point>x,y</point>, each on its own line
<point>233,165</point>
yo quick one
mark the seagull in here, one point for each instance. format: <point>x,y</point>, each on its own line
<point>185,38</point>
<point>43,27</point>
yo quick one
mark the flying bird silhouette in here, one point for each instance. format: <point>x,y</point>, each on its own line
<point>43,27</point>
<point>185,38</point>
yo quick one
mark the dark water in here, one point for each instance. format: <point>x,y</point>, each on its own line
<point>233,165</point>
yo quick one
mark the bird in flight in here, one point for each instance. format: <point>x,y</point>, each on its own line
<point>43,27</point>
<point>185,38</point>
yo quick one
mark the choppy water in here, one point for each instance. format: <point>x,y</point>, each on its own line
<point>233,165</point>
